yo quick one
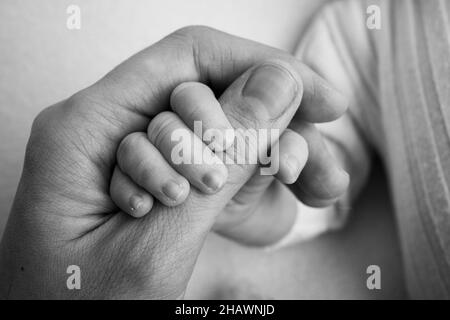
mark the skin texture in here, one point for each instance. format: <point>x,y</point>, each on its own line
<point>63,214</point>
<point>143,165</point>
<point>65,61</point>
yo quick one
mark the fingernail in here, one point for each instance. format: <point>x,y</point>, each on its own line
<point>172,190</point>
<point>345,174</point>
<point>213,181</point>
<point>272,87</point>
<point>136,202</point>
<point>293,165</point>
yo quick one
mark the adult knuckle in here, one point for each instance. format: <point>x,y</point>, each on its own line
<point>82,107</point>
<point>81,101</point>
<point>41,121</point>
<point>192,31</point>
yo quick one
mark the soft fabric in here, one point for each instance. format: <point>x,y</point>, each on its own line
<point>398,79</point>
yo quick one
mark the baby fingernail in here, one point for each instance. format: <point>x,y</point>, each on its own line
<point>136,203</point>
<point>172,190</point>
<point>213,180</point>
<point>293,166</point>
<point>345,174</point>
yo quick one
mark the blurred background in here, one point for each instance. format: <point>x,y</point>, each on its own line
<point>42,62</point>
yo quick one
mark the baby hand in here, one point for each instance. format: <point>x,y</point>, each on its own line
<point>153,165</point>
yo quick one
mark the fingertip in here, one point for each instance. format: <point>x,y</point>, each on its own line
<point>339,182</point>
<point>292,169</point>
<point>343,102</point>
<point>140,205</point>
<point>344,182</point>
<point>329,187</point>
<point>214,181</point>
<point>321,102</point>
<point>175,192</point>
<point>338,105</point>
<point>315,202</point>
<point>293,156</point>
<point>323,195</point>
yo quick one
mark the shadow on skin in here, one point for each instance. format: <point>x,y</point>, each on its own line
<point>329,267</point>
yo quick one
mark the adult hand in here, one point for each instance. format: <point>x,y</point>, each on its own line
<point>63,215</point>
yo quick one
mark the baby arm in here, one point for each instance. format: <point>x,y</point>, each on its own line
<point>326,50</point>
